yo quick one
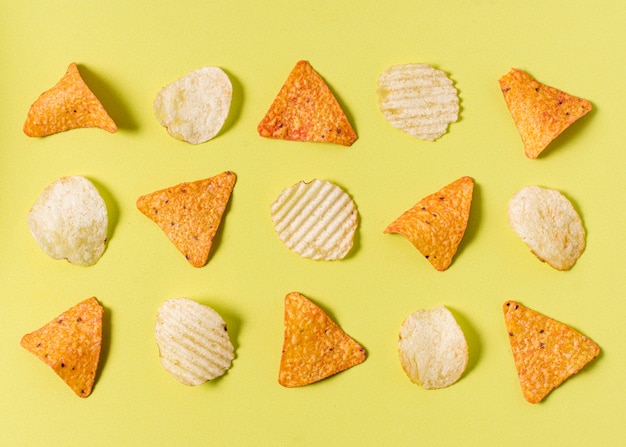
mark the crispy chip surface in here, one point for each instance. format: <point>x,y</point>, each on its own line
<point>193,341</point>
<point>540,112</point>
<point>69,220</point>
<point>317,220</point>
<point>432,348</point>
<point>549,225</point>
<point>306,110</point>
<point>70,344</point>
<point>418,99</point>
<point>70,104</point>
<point>190,213</point>
<point>546,352</point>
<point>436,224</point>
<point>314,347</point>
<point>195,107</point>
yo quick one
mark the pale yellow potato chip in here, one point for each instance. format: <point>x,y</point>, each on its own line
<point>194,108</point>
<point>418,99</point>
<point>316,220</point>
<point>69,221</point>
<point>549,225</point>
<point>193,341</point>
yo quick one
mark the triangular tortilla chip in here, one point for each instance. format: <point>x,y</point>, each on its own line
<point>436,224</point>
<point>70,344</point>
<point>314,346</point>
<point>70,104</point>
<point>306,110</point>
<point>546,352</point>
<point>190,213</point>
<point>540,112</point>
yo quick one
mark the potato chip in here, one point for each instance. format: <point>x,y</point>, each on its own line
<point>190,213</point>
<point>70,104</point>
<point>69,221</point>
<point>70,344</point>
<point>540,112</point>
<point>194,108</point>
<point>314,347</point>
<point>546,352</point>
<point>432,348</point>
<point>436,224</point>
<point>306,110</point>
<point>193,341</point>
<point>317,220</point>
<point>418,99</point>
<point>549,225</point>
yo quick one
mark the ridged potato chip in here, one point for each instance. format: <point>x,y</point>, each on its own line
<point>69,221</point>
<point>194,108</point>
<point>549,225</point>
<point>418,99</point>
<point>193,341</point>
<point>316,220</point>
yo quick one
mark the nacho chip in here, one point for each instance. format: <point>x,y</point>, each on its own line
<point>436,224</point>
<point>190,213</point>
<point>314,347</point>
<point>70,104</point>
<point>540,112</point>
<point>546,352</point>
<point>306,110</point>
<point>70,344</point>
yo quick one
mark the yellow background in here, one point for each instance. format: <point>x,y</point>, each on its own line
<point>128,50</point>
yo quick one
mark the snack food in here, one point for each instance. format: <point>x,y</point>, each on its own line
<point>432,348</point>
<point>540,112</point>
<point>418,99</point>
<point>190,213</point>
<point>70,344</point>
<point>314,347</point>
<point>195,107</point>
<point>546,352</point>
<point>436,224</point>
<point>317,220</point>
<point>193,341</point>
<point>549,225</point>
<point>70,104</point>
<point>69,221</point>
<point>306,110</point>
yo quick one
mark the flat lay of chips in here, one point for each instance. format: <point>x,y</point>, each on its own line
<point>314,346</point>
<point>436,224</point>
<point>546,352</point>
<point>540,112</point>
<point>70,344</point>
<point>195,107</point>
<point>70,104</point>
<point>190,213</point>
<point>193,341</point>
<point>305,109</point>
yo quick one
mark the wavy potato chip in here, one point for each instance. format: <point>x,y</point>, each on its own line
<point>69,221</point>
<point>194,108</point>
<point>70,104</point>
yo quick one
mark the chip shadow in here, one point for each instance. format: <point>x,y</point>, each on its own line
<point>112,209</point>
<point>106,343</point>
<point>472,337</point>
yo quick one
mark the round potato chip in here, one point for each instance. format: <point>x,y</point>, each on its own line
<point>195,107</point>
<point>418,99</point>
<point>317,220</point>
<point>69,221</point>
<point>193,341</point>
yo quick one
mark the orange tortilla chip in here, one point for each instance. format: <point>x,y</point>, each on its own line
<point>546,352</point>
<point>190,213</point>
<point>314,347</point>
<point>306,110</point>
<point>436,224</point>
<point>70,344</point>
<point>540,112</point>
<point>70,104</point>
